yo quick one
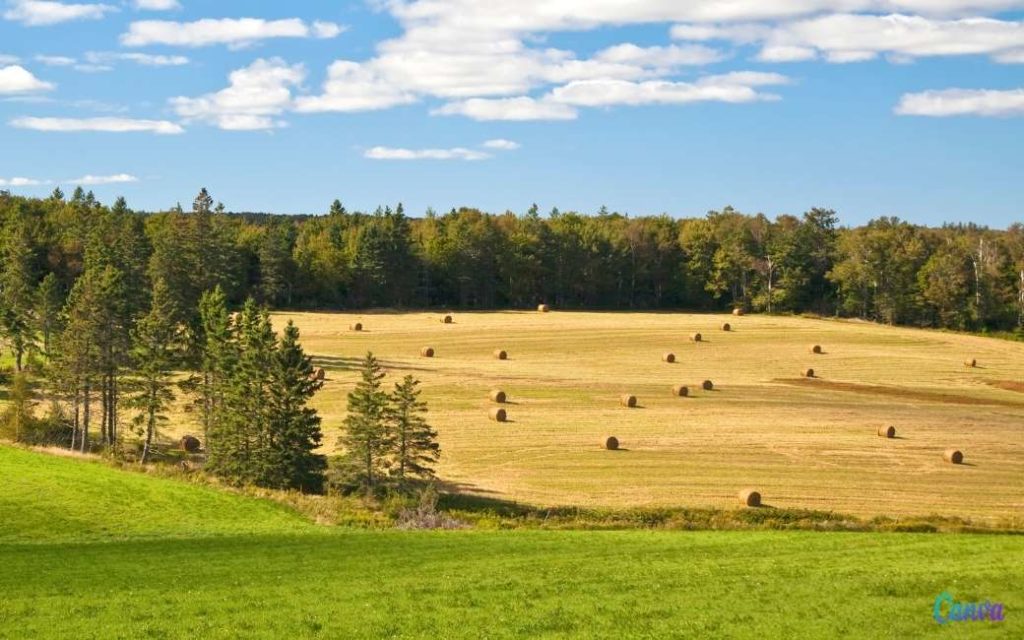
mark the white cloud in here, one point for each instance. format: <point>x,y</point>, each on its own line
<point>456,153</point>
<point>1010,57</point>
<point>21,182</point>
<point>56,61</point>
<point>144,59</point>
<point>36,13</point>
<point>89,180</point>
<point>8,59</point>
<point>735,87</point>
<point>16,80</point>
<point>503,144</point>
<point>156,5</point>
<point>110,125</point>
<point>254,97</point>
<point>351,86</point>
<point>236,32</point>
<point>843,38</point>
<point>962,102</point>
<point>520,108</point>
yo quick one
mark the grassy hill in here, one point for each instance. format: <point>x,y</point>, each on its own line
<point>50,499</point>
<point>94,552</point>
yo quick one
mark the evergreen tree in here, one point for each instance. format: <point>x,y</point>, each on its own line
<point>48,303</point>
<point>157,343</point>
<point>17,419</point>
<point>365,436</point>
<point>219,355</point>
<point>291,461</point>
<point>413,441</point>
<point>16,302</point>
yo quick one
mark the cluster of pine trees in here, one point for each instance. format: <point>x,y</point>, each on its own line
<point>956,276</point>
<point>386,439</point>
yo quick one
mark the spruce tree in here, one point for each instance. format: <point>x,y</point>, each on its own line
<point>48,303</point>
<point>291,461</point>
<point>156,346</point>
<point>414,443</point>
<point>365,436</point>
<point>16,303</point>
<point>218,358</point>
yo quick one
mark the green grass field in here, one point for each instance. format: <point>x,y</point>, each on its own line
<point>806,444</point>
<point>93,552</point>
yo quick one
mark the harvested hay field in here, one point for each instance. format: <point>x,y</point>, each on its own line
<point>806,443</point>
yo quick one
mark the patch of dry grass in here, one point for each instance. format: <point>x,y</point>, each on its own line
<point>808,445</point>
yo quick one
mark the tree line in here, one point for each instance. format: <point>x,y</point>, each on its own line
<point>112,316</point>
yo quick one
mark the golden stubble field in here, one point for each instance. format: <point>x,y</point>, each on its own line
<point>802,443</point>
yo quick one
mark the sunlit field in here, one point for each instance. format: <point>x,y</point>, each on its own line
<point>802,443</point>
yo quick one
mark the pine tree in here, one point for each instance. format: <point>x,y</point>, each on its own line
<point>218,359</point>
<point>291,461</point>
<point>414,443</point>
<point>156,347</point>
<point>365,437</point>
<point>17,419</point>
<point>48,303</point>
<point>16,303</point>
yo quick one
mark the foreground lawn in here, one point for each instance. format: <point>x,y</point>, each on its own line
<point>508,584</point>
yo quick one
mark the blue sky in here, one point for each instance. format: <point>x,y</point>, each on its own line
<point>872,107</point>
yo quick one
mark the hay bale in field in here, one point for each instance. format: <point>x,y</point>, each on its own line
<point>668,357</point>
<point>750,498</point>
<point>611,443</point>
<point>953,456</point>
<point>726,327</point>
<point>190,444</point>
<point>887,432</point>
<point>497,395</point>
<point>807,373</point>
<point>707,385</point>
<point>427,352</point>
<point>681,390</point>
<point>320,373</point>
<point>501,354</point>
<point>696,337</point>
<point>817,349</point>
<point>447,319</point>
<point>970,364</point>
<point>498,414</point>
<point>627,400</point>
<point>358,326</point>
<point>737,312</point>
<point>543,308</point>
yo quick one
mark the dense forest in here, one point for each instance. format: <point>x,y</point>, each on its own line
<point>957,276</point>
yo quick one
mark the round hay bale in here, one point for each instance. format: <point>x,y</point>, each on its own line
<point>737,312</point>
<point>497,395</point>
<point>887,432</point>
<point>807,373</point>
<point>681,390</point>
<point>750,498</point>
<point>970,364</point>
<point>953,456</point>
<point>707,385</point>
<point>611,443</point>
<point>501,354</point>
<point>543,308</point>
<point>627,400</point>
<point>319,373</point>
<point>447,319</point>
<point>190,444</point>
<point>816,349</point>
<point>498,414</point>
<point>358,326</point>
<point>427,352</point>
<point>668,357</point>
<point>696,337</point>
<point>726,327</point>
